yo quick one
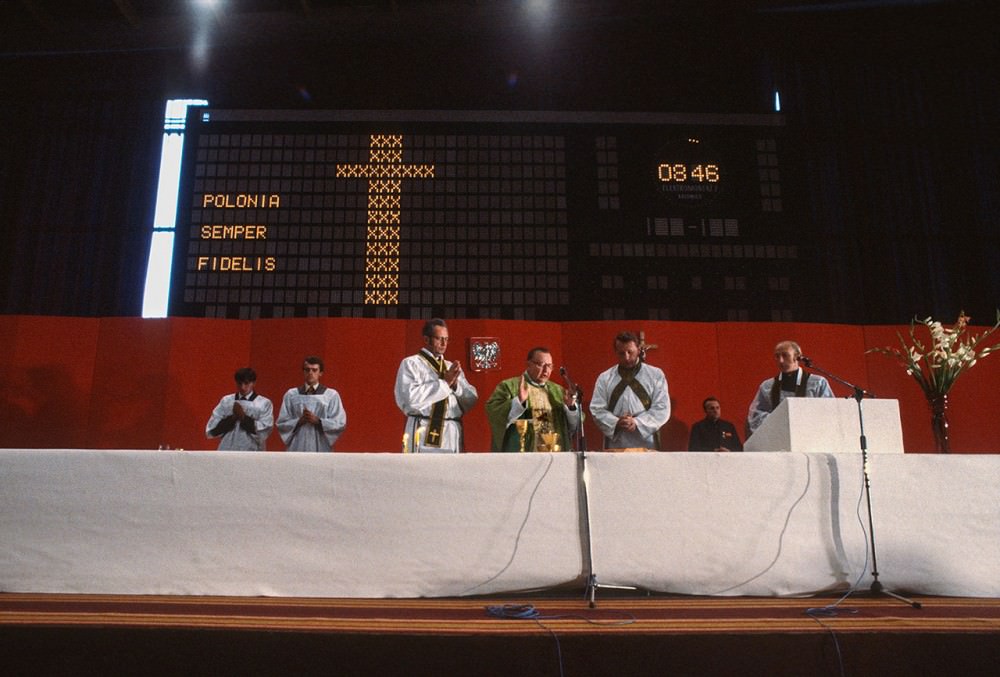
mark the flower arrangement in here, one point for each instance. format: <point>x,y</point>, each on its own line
<point>936,364</point>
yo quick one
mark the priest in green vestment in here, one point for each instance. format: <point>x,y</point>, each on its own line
<point>531,413</point>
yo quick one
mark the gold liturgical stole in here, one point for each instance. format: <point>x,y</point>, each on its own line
<point>541,415</point>
<point>436,425</point>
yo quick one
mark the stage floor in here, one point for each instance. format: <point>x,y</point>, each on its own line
<point>560,635</point>
<point>612,614</point>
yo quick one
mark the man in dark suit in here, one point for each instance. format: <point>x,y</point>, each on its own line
<point>712,433</point>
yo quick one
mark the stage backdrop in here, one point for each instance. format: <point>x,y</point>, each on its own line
<point>129,383</point>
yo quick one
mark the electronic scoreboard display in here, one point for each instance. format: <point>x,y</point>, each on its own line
<point>516,215</point>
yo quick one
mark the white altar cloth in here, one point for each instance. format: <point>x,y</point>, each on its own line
<point>788,523</point>
<point>286,524</point>
<point>394,525</point>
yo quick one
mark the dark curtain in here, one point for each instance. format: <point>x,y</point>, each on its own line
<point>893,117</point>
<point>76,199</point>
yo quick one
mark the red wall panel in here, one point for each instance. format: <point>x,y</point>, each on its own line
<point>46,379</point>
<point>364,356</point>
<point>133,383</point>
<point>130,384</point>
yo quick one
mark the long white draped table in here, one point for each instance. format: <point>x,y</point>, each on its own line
<point>394,525</point>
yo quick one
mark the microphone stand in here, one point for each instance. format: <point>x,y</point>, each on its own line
<point>583,479</point>
<point>859,394</point>
<point>581,439</point>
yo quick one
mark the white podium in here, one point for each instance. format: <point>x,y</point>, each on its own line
<point>825,424</point>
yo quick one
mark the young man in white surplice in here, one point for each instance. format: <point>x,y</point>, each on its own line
<point>242,419</point>
<point>312,416</point>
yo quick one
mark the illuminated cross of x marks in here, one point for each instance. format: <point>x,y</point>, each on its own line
<point>385,172</point>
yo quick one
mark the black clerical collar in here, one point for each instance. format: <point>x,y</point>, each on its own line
<point>790,381</point>
<point>250,398</point>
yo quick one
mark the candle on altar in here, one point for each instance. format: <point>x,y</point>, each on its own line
<point>406,438</point>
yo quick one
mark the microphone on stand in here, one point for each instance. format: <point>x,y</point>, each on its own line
<point>580,437</point>
<point>569,383</point>
<point>859,392</point>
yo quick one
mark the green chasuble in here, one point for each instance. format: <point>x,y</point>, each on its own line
<point>505,437</point>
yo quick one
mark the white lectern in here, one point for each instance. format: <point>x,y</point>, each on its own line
<point>825,424</point>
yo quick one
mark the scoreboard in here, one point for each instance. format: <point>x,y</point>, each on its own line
<point>516,215</point>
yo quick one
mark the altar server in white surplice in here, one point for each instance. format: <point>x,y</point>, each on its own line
<point>434,394</point>
<point>312,416</point>
<point>631,402</point>
<point>242,419</point>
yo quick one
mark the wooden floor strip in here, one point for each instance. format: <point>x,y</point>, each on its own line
<point>612,616</point>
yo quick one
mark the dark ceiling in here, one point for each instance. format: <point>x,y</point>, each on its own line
<point>508,54</point>
<point>29,25</point>
<point>56,14</point>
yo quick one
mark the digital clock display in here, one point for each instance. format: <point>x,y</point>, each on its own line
<point>680,173</point>
<point>688,173</point>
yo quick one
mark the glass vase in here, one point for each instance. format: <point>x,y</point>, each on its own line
<point>939,422</point>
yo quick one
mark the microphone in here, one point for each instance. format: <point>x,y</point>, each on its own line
<point>580,439</point>
<point>569,382</point>
<point>806,360</point>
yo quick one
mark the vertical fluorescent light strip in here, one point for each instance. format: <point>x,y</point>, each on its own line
<point>156,295</point>
<point>777,101</point>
